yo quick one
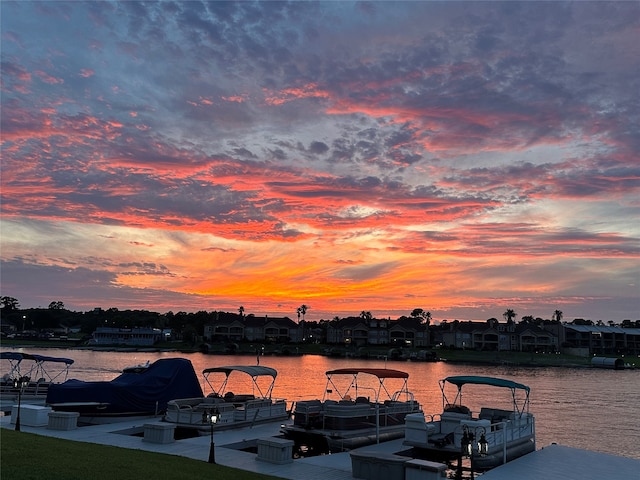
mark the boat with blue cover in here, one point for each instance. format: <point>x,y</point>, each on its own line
<point>135,392</point>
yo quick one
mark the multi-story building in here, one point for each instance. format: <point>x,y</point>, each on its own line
<point>412,332</point>
<point>600,339</point>
<point>491,335</point>
<point>251,328</point>
<point>358,331</point>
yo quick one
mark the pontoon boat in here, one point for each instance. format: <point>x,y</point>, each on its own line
<point>362,413</point>
<point>38,372</point>
<point>233,409</point>
<point>492,437</point>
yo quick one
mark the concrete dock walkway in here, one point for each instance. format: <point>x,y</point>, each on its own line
<point>554,462</point>
<point>325,467</point>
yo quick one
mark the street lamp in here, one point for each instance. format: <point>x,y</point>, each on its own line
<point>466,446</point>
<point>20,383</point>
<point>483,444</point>
<point>211,417</point>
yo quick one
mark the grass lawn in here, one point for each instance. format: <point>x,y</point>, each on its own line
<point>26,456</point>
<point>522,358</point>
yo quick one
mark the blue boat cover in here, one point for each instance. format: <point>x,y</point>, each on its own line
<point>145,392</point>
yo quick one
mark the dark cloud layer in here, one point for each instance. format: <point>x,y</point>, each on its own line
<point>437,132</point>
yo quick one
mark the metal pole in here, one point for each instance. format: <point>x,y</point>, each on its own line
<point>504,445</point>
<point>377,422</point>
<point>19,398</point>
<point>212,452</point>
<point>459,470</point>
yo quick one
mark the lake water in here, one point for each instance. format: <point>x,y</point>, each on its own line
<point>585,408</point>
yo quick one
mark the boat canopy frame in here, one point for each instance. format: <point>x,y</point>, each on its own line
<point>520,405</point>
<point>381,374</point>
<point>37,369</point>
<point>254,371</point>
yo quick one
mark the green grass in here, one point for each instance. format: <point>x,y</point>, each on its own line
<point>27,456</point>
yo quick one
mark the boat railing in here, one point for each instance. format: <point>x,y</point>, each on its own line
<point>408,396</point>
<point>349,409</point>
<point>431,417</point>
<point>307,412</point>
<point>189,410</point>
<point>38,387</point>
<point>502,433</point>
<point>495,415</point>
<point>260,408</point>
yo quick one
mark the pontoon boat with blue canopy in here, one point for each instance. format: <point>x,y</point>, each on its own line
<point>489,438</point>
<point>39,372</point>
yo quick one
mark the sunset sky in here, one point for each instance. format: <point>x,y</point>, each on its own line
<point>464,158</point>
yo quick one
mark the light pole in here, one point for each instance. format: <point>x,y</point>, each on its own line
<point>211,417</point>
<point>466,447</point>
<point>20,383</point>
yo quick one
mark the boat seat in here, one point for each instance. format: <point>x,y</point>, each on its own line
<point>241,398</point>
<point>495,415</point>
<point>457,409</point>
<point>442,440</point>
<point>209,400</point>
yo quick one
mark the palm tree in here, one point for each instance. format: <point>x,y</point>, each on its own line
<point>557,315</point>
<point>509,315</point>
<point>427,322</point>
<point>241,311</point>
<point>302,309</point>
<point>365,315</point>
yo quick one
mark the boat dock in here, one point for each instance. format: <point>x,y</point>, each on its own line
<point>554,462</point>
<point>227,448</point>
<point>557,462</point>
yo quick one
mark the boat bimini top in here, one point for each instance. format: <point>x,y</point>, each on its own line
<point>37,369</point>
<point>520,405</point>
<point>380,373</point>
<point>254,371</point>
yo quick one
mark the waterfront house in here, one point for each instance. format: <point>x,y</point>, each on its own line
<point>234,328</point>
<point>126,336</point>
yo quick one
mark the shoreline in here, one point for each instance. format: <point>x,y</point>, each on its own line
<point>460,357</point>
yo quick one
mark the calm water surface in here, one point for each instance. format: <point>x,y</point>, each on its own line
<point>577,407</point>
